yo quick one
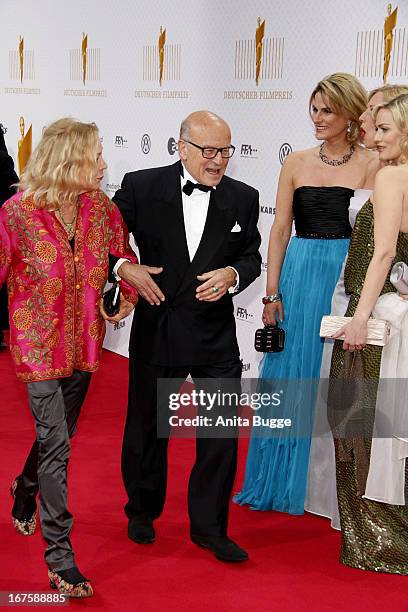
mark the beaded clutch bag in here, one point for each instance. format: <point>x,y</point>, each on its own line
<point>270,339</point>
<point>378,329</point>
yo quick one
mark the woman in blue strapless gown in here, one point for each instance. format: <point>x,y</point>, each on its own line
<point>315,187</point>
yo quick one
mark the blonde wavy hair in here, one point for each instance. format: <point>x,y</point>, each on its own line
<point>389,91</point>
<point>62,165</point>
<point>346,96</point>
<point>398,108</point>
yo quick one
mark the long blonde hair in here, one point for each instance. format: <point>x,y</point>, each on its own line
<point>62,165</point>
<point>348,98</point>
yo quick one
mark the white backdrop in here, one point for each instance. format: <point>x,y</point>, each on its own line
<point>209,62</point>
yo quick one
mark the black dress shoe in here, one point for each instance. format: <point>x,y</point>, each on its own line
<point>141,530</point>
<point>223,548</point>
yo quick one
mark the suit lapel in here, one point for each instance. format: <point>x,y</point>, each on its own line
<point>172,222</point>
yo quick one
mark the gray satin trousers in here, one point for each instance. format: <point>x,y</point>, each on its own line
<point>55,406</point>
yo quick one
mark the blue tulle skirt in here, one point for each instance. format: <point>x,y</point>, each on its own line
<point>277,462</point>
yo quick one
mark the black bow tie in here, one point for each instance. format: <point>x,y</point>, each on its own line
<point>189,187</point>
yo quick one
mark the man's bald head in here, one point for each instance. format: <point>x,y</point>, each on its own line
<point>200,120</point>
<point>204,129</point>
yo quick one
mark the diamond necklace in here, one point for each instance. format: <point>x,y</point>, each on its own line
<point>335,162</point>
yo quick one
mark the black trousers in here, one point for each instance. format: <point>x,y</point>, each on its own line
<point>55,405</point>
<point>144,455</point>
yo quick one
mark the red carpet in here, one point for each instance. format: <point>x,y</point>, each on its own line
<point>293,560</point>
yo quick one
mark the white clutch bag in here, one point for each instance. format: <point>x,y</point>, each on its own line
<point>378,329</point>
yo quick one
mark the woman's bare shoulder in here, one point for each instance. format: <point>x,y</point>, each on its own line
<point>300,157</point>
<point>394,174</point>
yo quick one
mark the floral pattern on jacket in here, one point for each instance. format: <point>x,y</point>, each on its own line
<point>54,291</point>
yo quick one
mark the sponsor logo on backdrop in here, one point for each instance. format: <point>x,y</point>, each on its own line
<point>249,151</point>
<point>21,68</point>
<point>259,60</point>
<point>284,151</point>
<point>264,266</point>
<point>382,52</point>
<point>242,314</point>
<point>120,142</point>
<point>171,146</point>
<point>112,187</point>
<point>267,210</point>
<point>162,65</point>
<point>145,144</point>
<point>85,68</point>
<point>119,325</point>
<point>24,145</point>
<point>245,366</point>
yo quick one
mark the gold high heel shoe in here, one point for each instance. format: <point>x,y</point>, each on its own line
<point>80,589</point>
<point>24,526</point>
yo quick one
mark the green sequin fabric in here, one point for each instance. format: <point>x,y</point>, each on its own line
<point>374,534</point>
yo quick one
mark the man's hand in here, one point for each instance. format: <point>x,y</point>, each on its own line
<point>125,309</point>
<point>216,284</point>
<point>139,276</point>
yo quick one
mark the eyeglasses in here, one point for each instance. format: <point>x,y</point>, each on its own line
<point>212,152</point>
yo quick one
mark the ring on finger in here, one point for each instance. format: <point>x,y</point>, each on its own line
<point>215,289</point>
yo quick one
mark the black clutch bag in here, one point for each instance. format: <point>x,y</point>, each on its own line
<point>111,300</point>
<point>270,339</point>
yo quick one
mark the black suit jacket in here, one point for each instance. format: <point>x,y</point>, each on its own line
<point>182,330</point>
<point>7,177</point>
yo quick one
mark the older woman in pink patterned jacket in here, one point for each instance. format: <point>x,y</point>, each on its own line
<point>55,239</point>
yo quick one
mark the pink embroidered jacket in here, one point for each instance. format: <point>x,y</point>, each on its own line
<point>54,292</point>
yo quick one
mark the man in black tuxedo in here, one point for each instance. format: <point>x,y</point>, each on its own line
<point>196,231</point>
<point>7,178</point>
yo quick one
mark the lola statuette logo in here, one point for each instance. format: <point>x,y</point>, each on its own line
<point>259,60</point>
<point>382,52</point>
<point>389,26</point>
<point>85,69</point>
<point>84,62</point>
<point>21,63</point>
<point>162,62</point>
<point>21,57</point>
<point>162,66</point>
<point>21,68</point>
<point>24,146</point>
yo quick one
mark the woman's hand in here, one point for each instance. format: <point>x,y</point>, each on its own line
<point>125,309</point>
<point>271,312</point>
<point>355,335</point>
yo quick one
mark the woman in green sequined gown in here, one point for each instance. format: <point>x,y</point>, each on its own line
<point>374,534</point>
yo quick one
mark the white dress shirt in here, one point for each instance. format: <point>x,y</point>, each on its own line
<point>195,209</point>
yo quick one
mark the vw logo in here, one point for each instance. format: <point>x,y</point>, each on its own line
<point>171,146</point>
<point>284,151</point>
<point>145,144</point>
